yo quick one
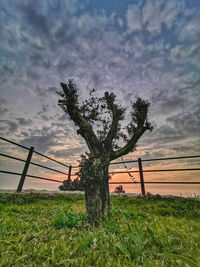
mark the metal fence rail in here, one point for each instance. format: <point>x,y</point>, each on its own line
<point>141,171</point>
<point>68,174</point>
<point>131,161</point>
<point>33,176</point>
<point>165,170</point>
<point>154,182</point>
<point>28,162</point>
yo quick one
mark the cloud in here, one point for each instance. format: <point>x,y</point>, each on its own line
<point>66,153</point>
<point>190,30</point>
<point>3,111</point>
<point>156,13</point>
<point>8,70</point>
<point>133,18</point>
<point>23,121</point>
<point>40,143</point>
<point>151,16</point>
<point>167,101</point>
<point>3,108</point>
<point>135,47</point>
<point>11,125</point>
<point>45,108</point>
<point>187,123</point>
<point>142,52</point>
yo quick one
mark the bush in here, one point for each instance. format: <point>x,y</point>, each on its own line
<point>70,185</point>
<point>119,189</point>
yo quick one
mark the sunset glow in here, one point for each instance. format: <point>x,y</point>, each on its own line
<point>148,49</point>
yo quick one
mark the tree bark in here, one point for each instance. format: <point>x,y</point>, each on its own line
<point>97,190</point>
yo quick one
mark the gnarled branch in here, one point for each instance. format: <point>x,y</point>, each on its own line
<point>130,145</point>
<point>70,105</point>
<point>138,125</point>
<point>117,115</point>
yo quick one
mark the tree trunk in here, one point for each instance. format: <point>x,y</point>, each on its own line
<point>97,190</point>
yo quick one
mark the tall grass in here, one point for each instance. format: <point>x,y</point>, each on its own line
<point>52,230</point>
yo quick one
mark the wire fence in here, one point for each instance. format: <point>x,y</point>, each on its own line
<point>69,174</point>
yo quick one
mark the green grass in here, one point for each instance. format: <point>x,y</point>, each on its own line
<point>52,230</point>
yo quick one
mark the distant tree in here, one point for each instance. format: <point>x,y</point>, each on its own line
<point>98,121</point>
<point>119,189</point>
<point>76,184</point>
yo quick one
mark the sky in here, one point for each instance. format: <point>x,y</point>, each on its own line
<point>148,49</point>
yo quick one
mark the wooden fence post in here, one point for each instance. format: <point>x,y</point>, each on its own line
<point>21,182</point>
<point>69,176</point>
<point>141,176</point>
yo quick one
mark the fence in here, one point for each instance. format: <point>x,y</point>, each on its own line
<point>69,174</point>
<point>141,171</point>
<point>28,162</point>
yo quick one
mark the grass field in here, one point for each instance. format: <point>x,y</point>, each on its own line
<point>51,230</point>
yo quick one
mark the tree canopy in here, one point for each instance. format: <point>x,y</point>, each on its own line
<point>99,120</point>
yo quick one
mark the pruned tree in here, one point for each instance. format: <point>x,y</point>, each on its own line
<point>99,122</point>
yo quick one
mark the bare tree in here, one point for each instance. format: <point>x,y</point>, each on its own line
<point>99,122</point>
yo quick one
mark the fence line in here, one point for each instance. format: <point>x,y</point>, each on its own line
<point>154,182</point>
<point>28,162</point>
<point>36,152</point>
<point>139,161</point>
<point>130,161</point>
<point>32,176</point>
<point>165,170</point>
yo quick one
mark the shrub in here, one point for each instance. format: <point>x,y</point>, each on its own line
<point>74,185</point>
<point>119,189</point>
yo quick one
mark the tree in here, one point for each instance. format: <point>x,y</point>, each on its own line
<point>99,122</point>
<point>69,185</point>
<point>119,189</point>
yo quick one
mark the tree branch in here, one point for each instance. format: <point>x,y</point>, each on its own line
<point>138,125</point>
<point>117,115</point>
<point>70,105</point>
<point>130,145</point>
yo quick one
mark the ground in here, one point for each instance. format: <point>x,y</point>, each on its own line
<point>51,230</point>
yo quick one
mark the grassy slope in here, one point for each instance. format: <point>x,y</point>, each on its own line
<point>50,230</point>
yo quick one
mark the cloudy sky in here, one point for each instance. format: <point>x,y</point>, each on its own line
<point>144,48</point>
